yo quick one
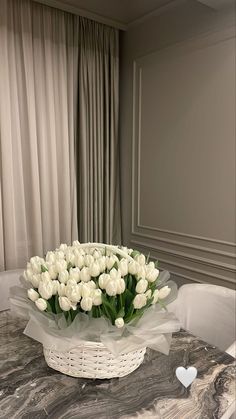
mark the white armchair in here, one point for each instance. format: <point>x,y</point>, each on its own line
<point>7,280</point>
<point>208,311</point>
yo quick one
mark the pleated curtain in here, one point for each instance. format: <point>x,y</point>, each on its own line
<point>58,131</point>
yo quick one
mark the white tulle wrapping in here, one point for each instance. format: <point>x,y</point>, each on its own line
<point>153,330</point>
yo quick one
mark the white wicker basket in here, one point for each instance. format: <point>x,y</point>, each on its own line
<point>93,360</point>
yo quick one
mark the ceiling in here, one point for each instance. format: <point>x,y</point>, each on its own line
<point>122,13</point>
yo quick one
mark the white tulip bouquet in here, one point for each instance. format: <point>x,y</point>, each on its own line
<point>118,284</point>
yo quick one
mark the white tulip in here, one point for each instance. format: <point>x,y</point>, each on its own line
<point>63,276</point>
<point>61,265</point>
<point>28,274</point>
<point>140,259</point>
<point>155,296</point>
<point>133,267</point>
<point>75,274</point>
<point>79,261</point>
<point>120,284</point>
<point>66,304</point>
<point>119,322</point>
<point>123,267</point>
<point>141,286</point>
<point>141,272</point>
<point>140,300</point>
<point>88,260</point>
<point>110,261</point>
<point>91,284</point>
<point>94,269</point>
<point>73,292</point>
<point>63,247</point>
<point>151,266</point>
<point>115,274</point>
<point>36,263</point>
<point>71,282</point>
<point>102,263</point>
<point>61,290</point>
<point>148,294</point>
<point>97,297</point>
<point>84,274</point>
<point>152,275</point>
<point>111,288</point>
<point>45,289</point>
<point>59,255</point>
<point>52,271</point>
<point>96,254</point>
<point>32,294</point>
<point>55,285</point>
<point>70,257</point>
<point>103,280</point>
<point>86,303</point>
<point>35,280</point>
<point>76,243</point>
<point>45,276</point>
<point>50,258</point>
<point>41,304</point>
<point>85,290</point>
<point>164,292</point>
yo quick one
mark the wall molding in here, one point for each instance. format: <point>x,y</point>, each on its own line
<point>209,247</point>
<point>188,257</point>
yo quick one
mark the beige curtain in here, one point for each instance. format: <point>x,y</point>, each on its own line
<point>38,109</point>
<point>98,152</point>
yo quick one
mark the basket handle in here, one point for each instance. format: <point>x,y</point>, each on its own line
<point>114,249</point>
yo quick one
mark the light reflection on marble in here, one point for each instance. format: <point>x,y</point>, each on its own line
<point>30,389</point>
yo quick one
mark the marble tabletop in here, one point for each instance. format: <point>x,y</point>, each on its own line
<point>30,389</point>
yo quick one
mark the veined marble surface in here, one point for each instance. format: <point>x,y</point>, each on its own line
<point>30,389</point>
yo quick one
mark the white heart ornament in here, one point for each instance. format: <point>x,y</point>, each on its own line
<point>186,376</point>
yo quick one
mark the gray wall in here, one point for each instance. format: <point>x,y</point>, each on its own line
<point>177,131</point>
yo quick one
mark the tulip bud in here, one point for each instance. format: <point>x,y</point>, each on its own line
<point>97,297</point>
<point>155,296</point>
<point>114,274</point>
<point>79,261</point>
<point>123,267</point>
<point>91,285</point>
<point>119,322</point>
<point>55,285</point>
<point>35,280</point>
<point>140,259</point>
<point>63,277</point>
<point>164,292</point>
<point>45,289</point>
<point>61,290</point>
<point>53,271</point>
<point>41,304</point>
<point>139,301</point>
<point>86,303</point>
<point>111,288</point>
<point>141,272</point>
<point>66,304</point>
<point>152,275</point>
<point>133,267</point>
<point>75,274</point>
<point>120,284</point>
<point>84,275</point>
<point>110,261</point>
<point>88,260</point>
<point>148,294</point>
<point>60,265</point>
<point>103,280</point>
<point>63,247</point>
<point>76,243</point>
<point>94,269</point>
<point>141,286</point>
<point>85,290</point>
<point>102,263</point>
<point>32,294</point>
<point>73,292</point>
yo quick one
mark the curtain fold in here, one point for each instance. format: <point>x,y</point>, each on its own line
<point>59,157</point>
<point>98,162</point>
<point>38,93</point>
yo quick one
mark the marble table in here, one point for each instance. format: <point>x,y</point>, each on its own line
<point>30,389</point>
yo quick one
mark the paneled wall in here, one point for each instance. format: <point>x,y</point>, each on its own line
<point>178,141</point>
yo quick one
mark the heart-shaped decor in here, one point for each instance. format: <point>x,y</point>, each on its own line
<point>186,376</point>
